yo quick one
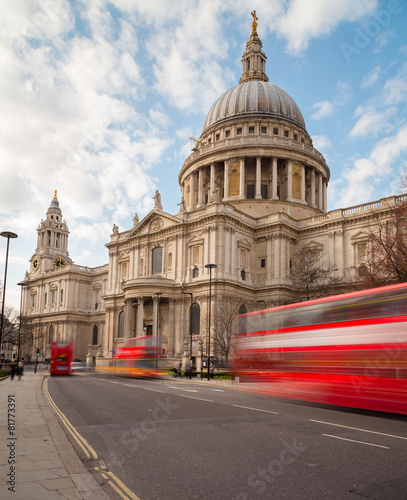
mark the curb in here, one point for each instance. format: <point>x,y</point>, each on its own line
<point>87,486</point>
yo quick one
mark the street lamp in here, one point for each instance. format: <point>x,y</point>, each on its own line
<point>157,294</point>
<point>8,235</point>
<point>190,329</point>
<point>210,267</point>
<point>22,284</point>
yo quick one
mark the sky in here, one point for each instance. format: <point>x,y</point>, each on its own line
<point>98,99</point>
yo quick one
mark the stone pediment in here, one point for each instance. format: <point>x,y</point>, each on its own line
<point>154,222</point>
<point>359,236</point>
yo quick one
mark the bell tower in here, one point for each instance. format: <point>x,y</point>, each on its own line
<point>52,240</point>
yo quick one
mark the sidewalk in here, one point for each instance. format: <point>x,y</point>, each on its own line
<point>36,459</point>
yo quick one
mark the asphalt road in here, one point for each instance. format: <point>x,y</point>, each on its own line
<point>181,440</point>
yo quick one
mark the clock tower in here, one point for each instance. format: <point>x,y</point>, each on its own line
<point>52,242</point>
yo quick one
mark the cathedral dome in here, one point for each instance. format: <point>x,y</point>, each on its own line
<point>255,99</point>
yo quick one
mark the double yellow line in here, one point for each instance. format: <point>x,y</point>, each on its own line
<point>90,453</point>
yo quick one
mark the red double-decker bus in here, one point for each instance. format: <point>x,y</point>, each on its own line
<point>139,357</point>
<point>61,358</point>
<point>347,350</point>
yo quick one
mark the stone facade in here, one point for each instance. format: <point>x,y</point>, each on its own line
<point>253,189</point>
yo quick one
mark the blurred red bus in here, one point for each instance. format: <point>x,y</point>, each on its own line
<point>139,357</point>
<point>61,358</point>
<point>348,350</point>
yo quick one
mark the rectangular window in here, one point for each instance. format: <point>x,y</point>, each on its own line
<point>195,272</point>
<point>243,274</point>
<point>195,256</point>
<point>227,133</point>
<point>264,191</point>
<point>262,262</point>
<point>32,300</point>
<point>217,137</point>
<point>275,131</point>
<point>295,137</point>
<point>53,297</point>
<point>157,267</point>
<point>62,295</point>
<point>45,298</point>
<point>239,131</point>
<point>263,130</point>
<point>251,130</point>
<point>250,192</point>
<point>285,133</point>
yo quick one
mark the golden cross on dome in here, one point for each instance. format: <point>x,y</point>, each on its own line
<point>55,194</point>
<point>254,23</point>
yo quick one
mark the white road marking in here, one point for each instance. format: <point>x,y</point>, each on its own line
<point>354,441</point>
<point>153,390</point>
<point>256,409</point>
<point>199,399</point>
<point>182,389</point>
<point>357,429</point>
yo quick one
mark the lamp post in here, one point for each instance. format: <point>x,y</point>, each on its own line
<point>8,235</point>
<point>190,330</point>
<point>157,294</point>
<point>210,267</point>
<point>22,284</point>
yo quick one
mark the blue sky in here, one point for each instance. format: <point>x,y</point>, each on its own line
<point>98,100</point>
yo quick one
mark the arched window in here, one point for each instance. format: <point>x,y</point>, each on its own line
<point>95,333</point>
<point>120,332</point>
<point>51,334</point>
<point>196,318</point>
<point>157,254</point>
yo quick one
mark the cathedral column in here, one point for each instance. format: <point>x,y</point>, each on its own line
<point>242,178</point>
<point>258,178</point>
<point>313,188</point>
<point>303,183</point>
<point>212,183</point>
<point>325,206</point>
<point>127,318</point>
<point>140,317</point>
<point>290,180</point>
<point>182,195</point>
<point>200,187</point>
<point>274,179</point>
<point>320,193</point>
<point>192,192</point>
<point>269,260</point>
<point>226,179</point>
<point>171,333</point>
<point>276,241</point>
<point>179,343</point>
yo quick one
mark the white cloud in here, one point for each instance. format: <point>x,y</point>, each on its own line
<point>343,93</point>
<point>371,78</point>
<point>304,21</point>
<point>358,182</point>
<point>323,109</point>
<point>321,142</point>
<point>371,122</point>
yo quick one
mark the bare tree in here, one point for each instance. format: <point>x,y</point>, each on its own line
<point>310,276</point>
<point>386,254</point>
<point>385,259</point>
<point>226,308</point>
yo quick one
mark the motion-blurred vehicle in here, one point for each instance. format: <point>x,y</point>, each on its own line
<point>348,350</point>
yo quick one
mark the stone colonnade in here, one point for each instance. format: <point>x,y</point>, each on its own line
<point>301,183</point>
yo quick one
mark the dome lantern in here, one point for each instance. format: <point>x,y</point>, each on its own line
<point>254,59</point>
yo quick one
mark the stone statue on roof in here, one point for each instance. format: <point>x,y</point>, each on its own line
<point>157,201</point>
